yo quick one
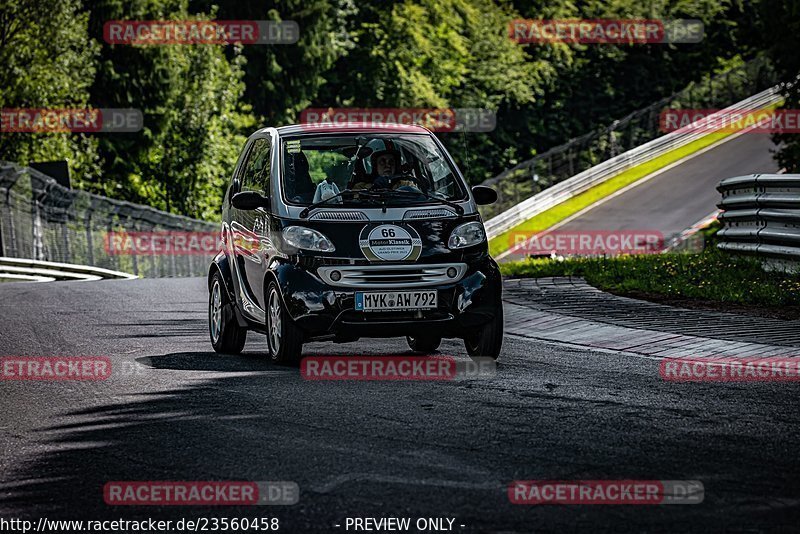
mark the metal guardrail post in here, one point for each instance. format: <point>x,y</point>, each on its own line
<point>66,255</point>
<point>2,223</point>
<point>11,226</point>
<point>87,222</point>
<point>36,231</point>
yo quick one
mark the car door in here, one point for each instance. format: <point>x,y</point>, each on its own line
<point>249,228</point>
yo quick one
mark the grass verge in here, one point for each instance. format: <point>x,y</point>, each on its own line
<point>558,213</point>
<point>711,276</point>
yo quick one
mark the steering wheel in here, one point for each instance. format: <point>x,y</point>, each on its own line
<point>392,177</point>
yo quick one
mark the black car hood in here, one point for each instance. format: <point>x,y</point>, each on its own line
<point>424,240</point>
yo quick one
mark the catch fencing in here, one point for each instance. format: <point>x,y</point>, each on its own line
<point>42,220</point>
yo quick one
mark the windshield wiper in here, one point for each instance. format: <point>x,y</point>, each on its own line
<point>359,192</point>
<point>429,196</point>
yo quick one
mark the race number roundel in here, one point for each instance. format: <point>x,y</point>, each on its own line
<point>390,242</point>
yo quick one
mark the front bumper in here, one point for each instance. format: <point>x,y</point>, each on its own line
<point>325,311</point>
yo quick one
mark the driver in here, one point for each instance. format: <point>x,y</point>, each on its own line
<point>385,164</point>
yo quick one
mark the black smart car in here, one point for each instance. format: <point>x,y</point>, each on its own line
<point>349,231</point>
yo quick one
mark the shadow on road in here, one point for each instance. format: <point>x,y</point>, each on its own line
<point>166,328</point>
<point>211,361</point>
<point>443,449</point>
<point>197,432</point>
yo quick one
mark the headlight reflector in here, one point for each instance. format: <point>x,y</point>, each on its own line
<point>307,239</point>
<point>466,235</point>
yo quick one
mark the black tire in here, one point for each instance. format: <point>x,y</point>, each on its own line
<point>425,344</point>
<point>489,341</point>
<point>284,338</point>
<point>227,337</point>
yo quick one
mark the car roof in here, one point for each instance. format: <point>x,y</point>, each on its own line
<point>350,127</point>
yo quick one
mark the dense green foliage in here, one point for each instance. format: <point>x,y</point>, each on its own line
<point>780,24</point>
<point>712,276</point>
<point>201,101</point>
<point>195,117</point>
<point>47,61</point>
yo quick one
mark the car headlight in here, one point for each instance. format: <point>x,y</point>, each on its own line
<point>466,235</point>
<point>307,239</point>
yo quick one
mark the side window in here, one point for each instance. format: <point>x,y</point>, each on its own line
<point>255,173</point>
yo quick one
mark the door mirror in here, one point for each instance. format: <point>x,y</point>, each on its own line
<point>484,195</point>
<point>249,200</point>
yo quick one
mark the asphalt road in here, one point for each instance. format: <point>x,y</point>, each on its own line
<point>675,199</point>
<point>174,410</point>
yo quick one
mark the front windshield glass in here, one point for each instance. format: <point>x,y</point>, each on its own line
<point>367,170</point>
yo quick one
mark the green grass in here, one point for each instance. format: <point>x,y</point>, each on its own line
<point>558,213</point>
<point>711,275</point>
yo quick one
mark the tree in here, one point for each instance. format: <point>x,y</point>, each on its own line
<point>605,82</point>
<point>200,101</point>
<point>48,62</point>
<point>282,79</point>
<point>437,54</point>
<point>194,117</point>
<point>780,27</point>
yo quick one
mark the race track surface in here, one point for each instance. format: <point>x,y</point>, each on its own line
<point>174,410</point>
<point>681,196</point>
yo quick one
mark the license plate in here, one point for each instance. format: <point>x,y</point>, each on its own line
<point>396,300</point>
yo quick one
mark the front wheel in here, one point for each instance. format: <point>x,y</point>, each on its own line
<point>227,337</point>
<point>284,338</point>
<point>489,340</point>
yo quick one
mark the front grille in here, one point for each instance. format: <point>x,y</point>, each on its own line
<point>338,215</point>
<point>392,276</point>
<point>427,214</point>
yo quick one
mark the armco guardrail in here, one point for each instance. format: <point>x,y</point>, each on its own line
<point>42,220</point>
<point>604,171</point>
<point>761,216</point>
<point>47,271</point>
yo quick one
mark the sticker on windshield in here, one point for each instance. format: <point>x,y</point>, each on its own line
<point>389,242</point>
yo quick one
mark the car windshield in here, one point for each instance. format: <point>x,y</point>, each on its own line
<point>389,169</point>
